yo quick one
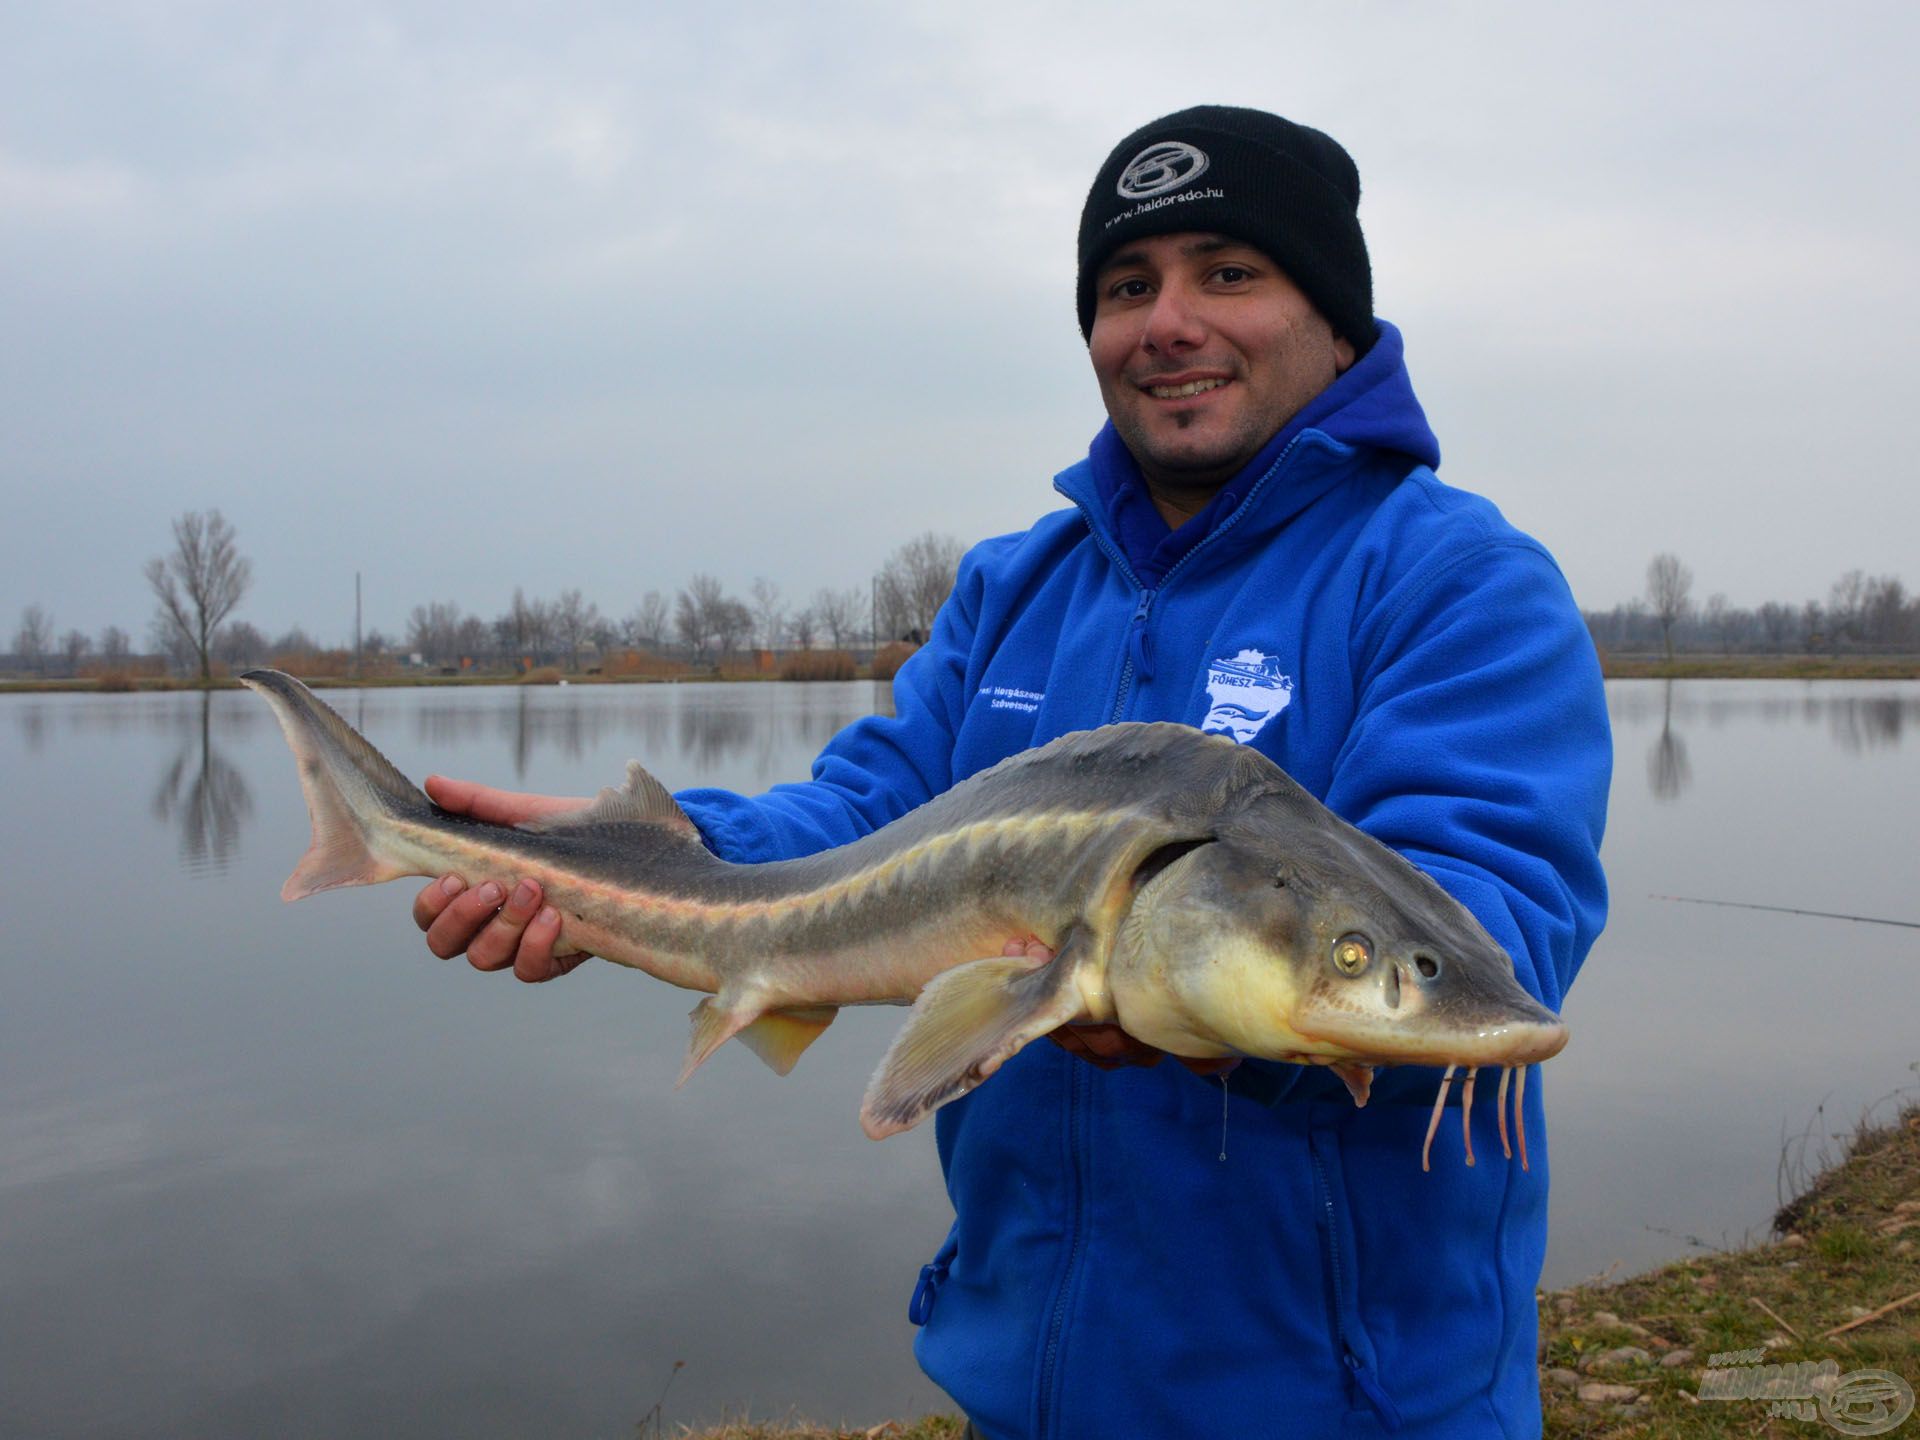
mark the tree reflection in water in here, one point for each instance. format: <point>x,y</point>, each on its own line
<point>1667,769</point>
<point>206,797</point>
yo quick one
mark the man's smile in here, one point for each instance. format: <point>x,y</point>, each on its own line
<point>1179,389</point>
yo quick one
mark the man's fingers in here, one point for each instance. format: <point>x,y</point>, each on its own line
<point>430,902</point>
<point>1218,1066</point>
<point>495,947</point>
<point>533,960</point>
<point>496,807</point>
<point>463,918</point>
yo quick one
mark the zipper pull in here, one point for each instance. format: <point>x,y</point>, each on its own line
<point>1383,1406</point>
<point>1139,648</point>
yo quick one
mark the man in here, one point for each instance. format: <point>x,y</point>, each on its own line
<point>1258,545</point>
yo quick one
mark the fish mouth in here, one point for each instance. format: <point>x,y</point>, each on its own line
<point>1509,1047</point>
<point>1526,1038</point>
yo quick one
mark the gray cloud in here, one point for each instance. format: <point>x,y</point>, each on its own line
<point>465,298</point>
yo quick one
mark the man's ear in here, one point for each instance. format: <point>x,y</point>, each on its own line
<point>1342,353</point>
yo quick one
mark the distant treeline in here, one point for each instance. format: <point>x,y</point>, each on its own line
<point>200,582</point>
<point>1862,614</point>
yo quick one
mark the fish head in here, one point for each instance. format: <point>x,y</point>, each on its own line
<point>1294,936</point>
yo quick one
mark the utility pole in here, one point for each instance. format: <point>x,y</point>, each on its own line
<point>356,624</point>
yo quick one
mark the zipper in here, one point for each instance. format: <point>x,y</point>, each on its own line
<point>1057,1325</point>
<point>1363,1376</point>
<point>1139,658</point>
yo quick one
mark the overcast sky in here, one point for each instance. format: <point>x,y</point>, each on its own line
<point>474,295</point>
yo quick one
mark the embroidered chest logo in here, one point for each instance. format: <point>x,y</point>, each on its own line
<point>1244,692</point>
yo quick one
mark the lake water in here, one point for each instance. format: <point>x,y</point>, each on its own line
<point>276,1170</point>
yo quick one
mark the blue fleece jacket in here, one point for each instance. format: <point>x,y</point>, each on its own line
<point>1420,666</point>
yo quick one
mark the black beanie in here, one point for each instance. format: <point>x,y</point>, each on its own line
<point>1286,189</point>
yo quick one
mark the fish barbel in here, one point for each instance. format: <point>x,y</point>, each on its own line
<point>1190,890</point>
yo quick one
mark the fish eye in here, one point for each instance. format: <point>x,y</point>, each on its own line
<point>1351,953</point>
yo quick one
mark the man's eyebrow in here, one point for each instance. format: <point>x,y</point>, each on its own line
<point>1199,245</point>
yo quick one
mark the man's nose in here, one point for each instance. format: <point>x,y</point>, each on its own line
<point>1174,323</point>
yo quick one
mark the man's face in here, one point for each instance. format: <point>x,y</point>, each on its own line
<point>1204,349</point>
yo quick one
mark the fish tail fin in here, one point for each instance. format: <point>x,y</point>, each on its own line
<point>348,784</point>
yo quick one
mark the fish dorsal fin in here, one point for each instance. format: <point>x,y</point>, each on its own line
<point>966,1024</point>
<point>643,800</point>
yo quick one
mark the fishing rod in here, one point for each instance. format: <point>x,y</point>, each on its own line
<point>1791,910</point>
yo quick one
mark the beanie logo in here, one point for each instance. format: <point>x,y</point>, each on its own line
<point>1163,166</point>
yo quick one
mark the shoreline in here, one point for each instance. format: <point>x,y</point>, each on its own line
<point>1612,667</point>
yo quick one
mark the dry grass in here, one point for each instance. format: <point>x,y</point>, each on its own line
<point>819,665</point>
<point>1761,667</point>
<point>640,665</point>
<point>931,1427</point>
<point>888,659</point>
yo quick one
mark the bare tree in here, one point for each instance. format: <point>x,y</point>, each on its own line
<point>915,583</point>
<point>1776,621</point>
<point>574,619</point>
<point>115,646</point>
<point>1846,605</point>
<point>200,582</point>
<point>74,646</point>
<point>842,614</point>
<point>34,639</point>
<point>239,644</point>
<point>647,626</point>
<point>525,632</point>
<point>696,613</point>
<point>433,630</point>
<point>1813,626</point>
<point>732,625</point>
<point>768,613</point>
<point>1883,610</point>
<point>1720,619</point>
<point>1669,585</point>
<point>803,628</point>
<point>472,640</point>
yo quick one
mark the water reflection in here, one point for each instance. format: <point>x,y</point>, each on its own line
<point>1870,722</point>
<point>1667,769</point>
<point>205,796</point>
<point>698,729</point>
<point>1859,715</point>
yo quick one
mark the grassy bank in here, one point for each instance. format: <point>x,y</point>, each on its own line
<point>1761,667</point>
<point>1614,667</point>
<point>1626,1360</point>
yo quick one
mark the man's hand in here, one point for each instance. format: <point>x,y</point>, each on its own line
<point>497,924</point>
<point>1108,1046</point>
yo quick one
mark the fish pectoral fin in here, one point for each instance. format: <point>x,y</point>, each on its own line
<point>965,1025</point>
<point>780,1037</point>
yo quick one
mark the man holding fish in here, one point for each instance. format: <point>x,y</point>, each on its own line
<point>1256,545</point>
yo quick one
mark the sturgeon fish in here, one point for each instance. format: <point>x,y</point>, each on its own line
<point>1190,890</point>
